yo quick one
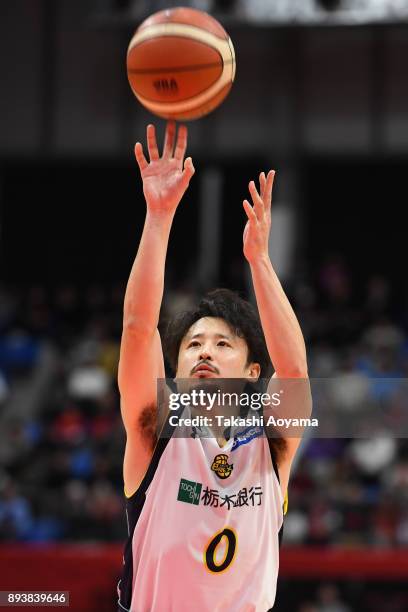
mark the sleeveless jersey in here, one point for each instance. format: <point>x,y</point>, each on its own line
<point>204,527</point>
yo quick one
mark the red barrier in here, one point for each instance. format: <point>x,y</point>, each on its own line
<point>90,572</point>
<point>344,563</point>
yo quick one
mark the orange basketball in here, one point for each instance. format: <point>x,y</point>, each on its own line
<point>180,63</point>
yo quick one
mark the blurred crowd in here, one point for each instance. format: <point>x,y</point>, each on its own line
<point>63,440</point>
<point>62,436</point>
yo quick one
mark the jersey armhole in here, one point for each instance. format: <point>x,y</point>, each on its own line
<point>129,496</point>
<point>285,499</point>
<point>161,443</point>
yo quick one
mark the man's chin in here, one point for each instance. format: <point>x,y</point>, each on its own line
<point>211,384</point>
<point>196,383</point>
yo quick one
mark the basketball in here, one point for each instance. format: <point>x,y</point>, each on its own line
<point>180,63</point>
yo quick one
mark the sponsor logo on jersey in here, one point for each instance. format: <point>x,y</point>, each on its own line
<point>245,497</point>
<point>246,436</point>
<point>189,492</point>
<point>192,492</point>
<point>221,466</point>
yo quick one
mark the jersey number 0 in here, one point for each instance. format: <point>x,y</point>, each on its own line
<point>231,546</point>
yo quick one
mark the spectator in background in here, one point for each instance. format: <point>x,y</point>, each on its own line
<point>308,607</point>
<point>329,600</point>
<point>16,520</point>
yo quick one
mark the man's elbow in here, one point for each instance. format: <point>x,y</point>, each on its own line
<point>293,370</point>
<point>138,327</point>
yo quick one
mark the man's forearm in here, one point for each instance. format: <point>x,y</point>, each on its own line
<point>282,331</point>
<point>144,291</point>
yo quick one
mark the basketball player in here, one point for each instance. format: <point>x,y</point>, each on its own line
<point>204,513</point>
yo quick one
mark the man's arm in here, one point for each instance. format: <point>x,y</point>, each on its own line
<point>165,179</point>
<point>282,331</point>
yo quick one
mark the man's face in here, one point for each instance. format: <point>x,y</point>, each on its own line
<point>210,350</point>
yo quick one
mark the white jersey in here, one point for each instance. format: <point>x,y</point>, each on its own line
<point>204,528</point>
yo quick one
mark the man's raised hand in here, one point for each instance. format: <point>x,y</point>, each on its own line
<point>165,178</point>
<point>258,226</point>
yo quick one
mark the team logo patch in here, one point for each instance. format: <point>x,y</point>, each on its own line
<point>189,492</point>
<point>221,466</point>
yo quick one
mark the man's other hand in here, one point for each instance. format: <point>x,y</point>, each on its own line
<point>165,178</point>
<point>258,226</point>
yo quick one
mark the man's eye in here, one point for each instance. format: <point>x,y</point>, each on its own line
<point>193,343</point>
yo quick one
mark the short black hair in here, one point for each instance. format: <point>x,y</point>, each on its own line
<point>239,315</point>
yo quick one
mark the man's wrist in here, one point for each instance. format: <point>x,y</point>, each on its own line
<point>260,261</point>
<point>160,217</point>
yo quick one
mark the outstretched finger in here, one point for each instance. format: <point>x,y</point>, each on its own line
<point>187,172</point>
<point>268,189</point>
<point>249,211</point>
<point>256,199</point>
<point>262,182</point>
<point>169,139</point>
<point>181,145</point>
<point>152,143</point>
<point>140,158</point>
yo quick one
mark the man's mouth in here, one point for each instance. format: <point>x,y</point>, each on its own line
<point>203,371</point>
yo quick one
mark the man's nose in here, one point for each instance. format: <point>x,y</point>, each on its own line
<point>205,353</point>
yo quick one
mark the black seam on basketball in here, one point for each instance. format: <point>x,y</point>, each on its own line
<point>179,68</point>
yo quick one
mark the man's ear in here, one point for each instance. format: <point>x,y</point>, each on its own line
<point>254,370</point>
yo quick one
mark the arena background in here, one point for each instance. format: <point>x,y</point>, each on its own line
<point>321,96</point>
